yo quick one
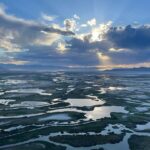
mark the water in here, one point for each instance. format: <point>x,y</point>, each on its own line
<point>84,102</point>
<point>37,106</point>
<point>105,111</point>
<point>56,117</point>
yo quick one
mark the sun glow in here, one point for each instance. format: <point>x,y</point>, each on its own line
<point>115,66</point>
<point>104,59</point>
<point>61,47</point>
<point>98,33</point>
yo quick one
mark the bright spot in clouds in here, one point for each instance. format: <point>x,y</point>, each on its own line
<point>104,59</point>
<point>61,47</point>
<point>91,22</point>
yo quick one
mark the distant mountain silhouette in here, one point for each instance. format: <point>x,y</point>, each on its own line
<point>37,68</point>
<point>131,69</point>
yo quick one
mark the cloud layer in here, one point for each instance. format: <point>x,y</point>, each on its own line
<point>31,42</point>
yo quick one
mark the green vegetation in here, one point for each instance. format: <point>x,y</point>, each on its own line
<point>139,142</point>
<point>40,145</point>
<point>87,140</point>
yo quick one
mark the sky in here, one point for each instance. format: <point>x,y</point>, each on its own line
<point>53,34</point>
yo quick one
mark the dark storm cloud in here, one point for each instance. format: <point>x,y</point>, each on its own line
<point>83,51</point>
<point>130,37</point>
<point>58,31</point>
<point>119,37</point>
<point>134,39</point>
<point>131,44</point>
<point>85,45</point>
<point>49,55</point>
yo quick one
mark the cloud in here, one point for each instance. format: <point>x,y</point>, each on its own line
<point>130,37</point>
<point>104,59</point>
<point>6,58</point>
<point>47,39</point>
<point>84,25</point>
<point>98,33</point>
<point>28,42</point>
<point>134,65</point>
<point>70,24</point>
<point>48,17</point>
<point>20,38</point>
<point>91,22</point>
<point>61,47</point>
<point>121,45</point>
<point>57,31</point>
<point>17,33</point>
<point>76,16</point>
<point>112,49</point>
<point>14,62</point>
